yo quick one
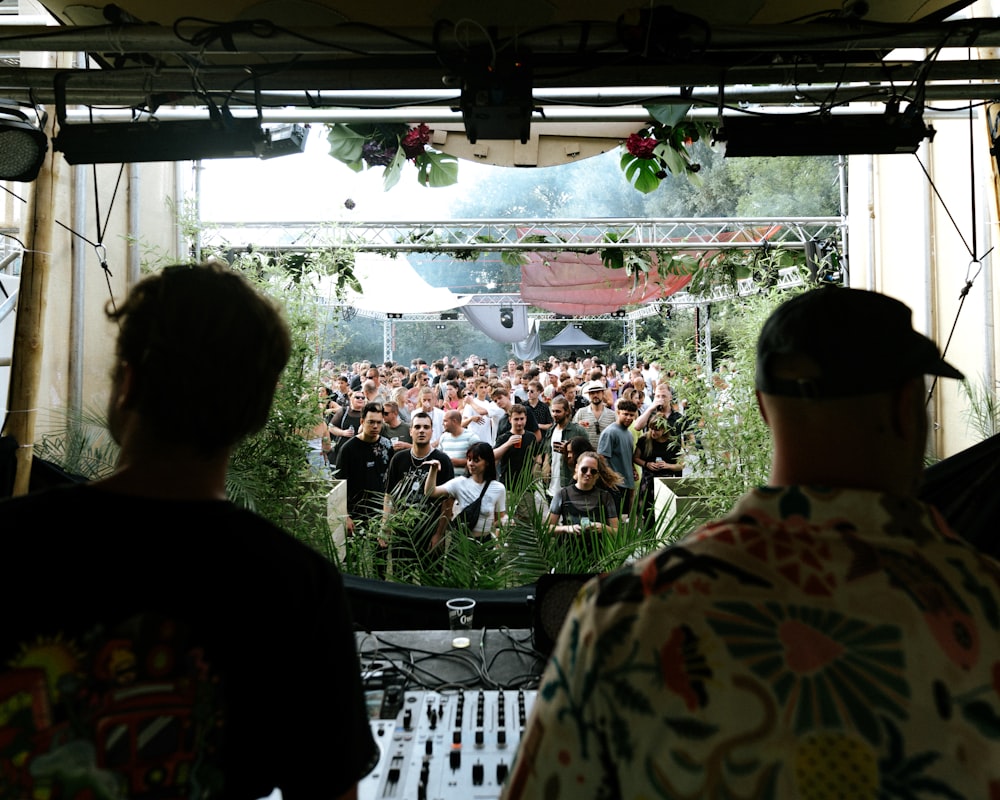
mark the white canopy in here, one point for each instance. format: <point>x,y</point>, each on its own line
<point>391,286</point>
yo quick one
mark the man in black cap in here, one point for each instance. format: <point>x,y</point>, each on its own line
<point>828,637</point>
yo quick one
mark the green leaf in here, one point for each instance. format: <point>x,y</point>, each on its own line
<point>668,113</point>
<point>345,144</point>
<point>393,172</point>
<point>613,259</point>
<point>641,173</point>
<point>673,159</point>
<point>437,169</point>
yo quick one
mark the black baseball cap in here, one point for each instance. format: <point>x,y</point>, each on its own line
<point>850,341</point>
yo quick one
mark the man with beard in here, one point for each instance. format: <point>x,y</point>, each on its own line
<point>404,489</point>
<point>561,432</point>
<point>596,417</point>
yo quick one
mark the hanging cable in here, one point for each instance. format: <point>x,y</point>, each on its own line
<point>974,259</point>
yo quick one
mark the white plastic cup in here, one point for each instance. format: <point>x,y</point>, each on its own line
<point>460,613</point>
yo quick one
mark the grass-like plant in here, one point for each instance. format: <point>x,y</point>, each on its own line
<point>983,411</point>
<point>726,439</point>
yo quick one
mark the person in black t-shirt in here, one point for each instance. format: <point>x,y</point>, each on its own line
<point>363,462</point>
<point>516,449</point>
<point>158,641</point>
<point>404,489</point>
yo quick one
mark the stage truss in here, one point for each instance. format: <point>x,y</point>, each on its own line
<point>463,237</point>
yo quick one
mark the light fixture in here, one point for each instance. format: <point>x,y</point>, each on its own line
<point>620,313</point>
<point>507,317</point>
<point>283,140</point>
<point>452,315</point>
<point>823,134</point>
<point>496,98</point>
<point>394,315</point>
<point>440,327</point>
<point>23,143</point>
<point>155,140</point>
<point>220,136</point>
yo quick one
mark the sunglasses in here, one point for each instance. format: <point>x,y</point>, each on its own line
<point>588,470</point>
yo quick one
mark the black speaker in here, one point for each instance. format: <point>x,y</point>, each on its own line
<point>554,596</point>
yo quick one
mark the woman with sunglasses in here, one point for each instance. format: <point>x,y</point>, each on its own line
<point>480,485</point>
<point>586,508</point>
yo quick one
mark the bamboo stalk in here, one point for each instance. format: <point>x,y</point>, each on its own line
<point>30,324</point>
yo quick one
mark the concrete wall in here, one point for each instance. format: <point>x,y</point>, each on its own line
<point>904,243</point>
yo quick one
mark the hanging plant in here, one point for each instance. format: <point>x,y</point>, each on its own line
<point>390,146</point>
<point>663,147</point>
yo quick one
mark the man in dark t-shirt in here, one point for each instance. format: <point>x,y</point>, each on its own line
<point>363,462</point>
<point>404,489</point>
<point>516,450</point>
<point>157,641</point>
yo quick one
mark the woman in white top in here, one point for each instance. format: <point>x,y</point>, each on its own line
<point>480,482</point>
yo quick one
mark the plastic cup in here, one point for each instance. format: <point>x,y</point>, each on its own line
<point>460,613</point>
<point>517,444</point>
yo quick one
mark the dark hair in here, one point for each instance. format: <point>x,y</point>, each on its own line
<point>190,333</point>
<point>485,452</point>
<point>627,405</point>
<point>372,407</point>
<point>577,445</point>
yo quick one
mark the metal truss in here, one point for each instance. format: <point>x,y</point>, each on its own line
<point>787,278</point>
<point>465,236</point>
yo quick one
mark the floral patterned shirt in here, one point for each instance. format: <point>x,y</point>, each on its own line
<point>811,644</point>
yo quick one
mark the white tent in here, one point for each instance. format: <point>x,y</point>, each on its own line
<point>391,286</point>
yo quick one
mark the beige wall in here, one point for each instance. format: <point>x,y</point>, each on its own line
<point>76,337</point>
<point>903,243</point>
<point>90,337</point>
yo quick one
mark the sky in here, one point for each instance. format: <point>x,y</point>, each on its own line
<point>313,187</point>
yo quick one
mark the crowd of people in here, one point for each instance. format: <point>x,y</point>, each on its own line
<point>577,437</point>
<point>831,636</point>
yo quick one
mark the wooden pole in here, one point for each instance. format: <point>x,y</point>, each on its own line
<point>30,324</point>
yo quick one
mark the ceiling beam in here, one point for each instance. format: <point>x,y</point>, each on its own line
<point>333,87</point>
<point>596,37</point>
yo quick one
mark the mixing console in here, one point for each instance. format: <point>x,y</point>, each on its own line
<point>447,745</point>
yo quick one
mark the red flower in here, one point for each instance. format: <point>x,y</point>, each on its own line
<point>414,140</point>
<point>641,146</point>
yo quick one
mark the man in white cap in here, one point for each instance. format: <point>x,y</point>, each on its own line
<point>829,637</point>
<point>597,417</point>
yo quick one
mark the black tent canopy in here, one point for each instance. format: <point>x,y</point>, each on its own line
<point>572,338</point>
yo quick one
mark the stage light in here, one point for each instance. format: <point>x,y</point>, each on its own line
<point>220,136</point>
<point>452,315</point>
<point>620,313</point>
<point>23,143</point>
<point>823,134</point>
<point>394,315</point>
<point>496,100</point>
<point>155,140</point>
<point>283,140</point>
<point>507,317</point>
